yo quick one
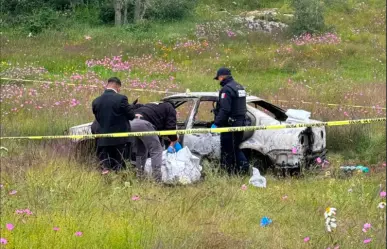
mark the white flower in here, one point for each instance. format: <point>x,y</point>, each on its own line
<point>330,219</point>
<point>382,205</point>
<point>329,212</point>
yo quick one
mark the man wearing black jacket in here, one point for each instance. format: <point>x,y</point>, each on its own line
<point>230,112</point>
<point>153,117</point>
<point>112,112</point>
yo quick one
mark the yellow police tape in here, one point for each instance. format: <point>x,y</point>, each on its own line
<point>328,104</point>
<point>94,86</point>
<point>208,130</point>
<point>169,92</point>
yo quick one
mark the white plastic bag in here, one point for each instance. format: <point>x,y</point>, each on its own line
<point>181,167</point>
<point>257,180</point>
<point>295,115</point>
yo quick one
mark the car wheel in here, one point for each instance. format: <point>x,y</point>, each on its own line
<point>259,161</point>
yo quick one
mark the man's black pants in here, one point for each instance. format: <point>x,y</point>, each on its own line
<point>112,157</point>
<point>232,158</point>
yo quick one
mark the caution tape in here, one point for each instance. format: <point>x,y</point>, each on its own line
<point>95,86</point>
<point>169,92</point>
<point>206,130</point>
<point>329,104</point>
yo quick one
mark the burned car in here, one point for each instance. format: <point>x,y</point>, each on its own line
<point>284,149</point>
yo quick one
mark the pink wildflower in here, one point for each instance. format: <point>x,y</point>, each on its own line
<point>306,239</point>
<point>318,160</point>
<point>294,150</point>
<point>27,211</point>
<point>135,198</point>
<point>56,228</point>
<point>78,234</point>
<point>366,241</point>
<point>383,194</point>
<point>3,241</point>
<point>244,187</point>
<point>10,226</point>
<point>13,192</point>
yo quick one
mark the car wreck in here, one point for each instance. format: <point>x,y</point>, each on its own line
<point>285,150</point>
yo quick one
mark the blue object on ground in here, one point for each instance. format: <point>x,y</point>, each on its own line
<point>359,167</point>
<point>213,126</point>
<point>265,221</point>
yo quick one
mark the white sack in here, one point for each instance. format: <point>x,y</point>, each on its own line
<point>181,167</point>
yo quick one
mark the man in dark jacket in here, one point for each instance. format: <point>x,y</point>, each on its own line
<point>230,112</point>
<point>153,117</point>
<point>112,112</point>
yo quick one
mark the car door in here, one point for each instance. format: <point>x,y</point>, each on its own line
<point>207,144</point>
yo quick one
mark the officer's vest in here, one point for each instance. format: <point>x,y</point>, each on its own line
<point>238,105</point>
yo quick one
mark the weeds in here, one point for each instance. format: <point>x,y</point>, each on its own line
<point>49,200</point>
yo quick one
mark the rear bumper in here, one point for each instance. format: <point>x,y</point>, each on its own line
<point>312,158</point>
<point>288,160</point>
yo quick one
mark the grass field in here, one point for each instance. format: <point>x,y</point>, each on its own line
<point>346,67</point>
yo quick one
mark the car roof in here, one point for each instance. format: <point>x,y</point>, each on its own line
<point>204,95</point>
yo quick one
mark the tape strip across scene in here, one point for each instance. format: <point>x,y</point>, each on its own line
<point>169,92</point>
<point>198,131</point>
<point>94,86</point>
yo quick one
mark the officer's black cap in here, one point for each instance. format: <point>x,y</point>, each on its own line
<point>222,71</point>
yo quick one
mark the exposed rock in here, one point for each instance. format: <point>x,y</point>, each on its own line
<point>266,20</point>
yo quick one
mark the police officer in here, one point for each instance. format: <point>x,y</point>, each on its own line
<point>230,111</point>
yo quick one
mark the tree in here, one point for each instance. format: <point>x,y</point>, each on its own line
<point>140,8</point>
<point>126,4</point>
<point>118,4</point>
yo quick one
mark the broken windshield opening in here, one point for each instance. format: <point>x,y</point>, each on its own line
<point>277,112</point>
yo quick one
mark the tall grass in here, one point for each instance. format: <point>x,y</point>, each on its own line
<point>215,213</point>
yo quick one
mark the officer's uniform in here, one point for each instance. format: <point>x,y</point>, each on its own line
<point>230,112</point>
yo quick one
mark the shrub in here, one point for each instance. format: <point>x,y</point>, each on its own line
<point>106,14</point>
<point>42,19</point>
<point>171,9</point>
<point>89,15</point>
<point>308,17</point>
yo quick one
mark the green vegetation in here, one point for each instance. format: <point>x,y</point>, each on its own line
<point>179,48</point>
<point>216,213</point>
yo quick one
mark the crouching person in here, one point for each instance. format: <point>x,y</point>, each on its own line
<point>153,117</point>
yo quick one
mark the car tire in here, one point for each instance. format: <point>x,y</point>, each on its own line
<point>259,161</point>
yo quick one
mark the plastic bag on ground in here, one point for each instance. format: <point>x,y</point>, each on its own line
<point>257,180</point>
<point>180,167</point>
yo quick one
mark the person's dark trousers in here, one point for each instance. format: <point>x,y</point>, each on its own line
<point>232,158</point>
<point>112,157</point>
<point>227,154</point>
